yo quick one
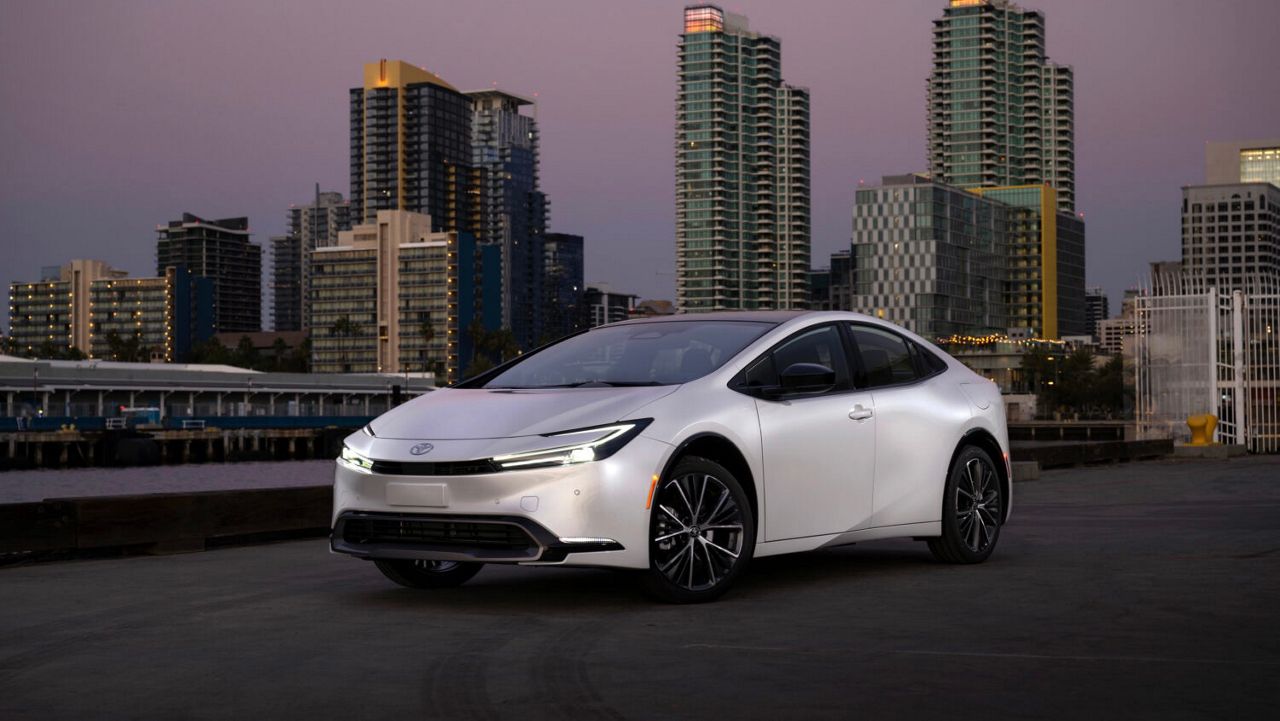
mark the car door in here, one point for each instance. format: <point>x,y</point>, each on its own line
<point>818,448</point>
<point>918,414</point>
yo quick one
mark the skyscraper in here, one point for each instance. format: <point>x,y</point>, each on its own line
<point>88,305</point>
<point>563,285</point>
<point>504,145</point>
<point>930,257</point>
<point>1230,234</point>
<point>220,251</point>
<point>411,148</point>
<point>313,225</point>
<point>1000,113</point>
<point>1242,161</point>
<point>1097,308</point>
<point>394,296</point>
<point>1044,263</point>
<point>742,169</point>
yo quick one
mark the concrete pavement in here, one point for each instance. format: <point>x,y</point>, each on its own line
<point>1147,590</point>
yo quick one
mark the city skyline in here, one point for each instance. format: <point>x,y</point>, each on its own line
<point>1146,103</point>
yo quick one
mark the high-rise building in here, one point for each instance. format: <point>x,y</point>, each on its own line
<point>842,280</point>
<point>1230,234</point>
<point>1097,307</point>
<point>504,145</point>
<point>313,225</point>
<point>1242,161</point>
<point>167,315</point>
<point>395,296</point>
<point>1000,113</point>
<point>87,305</point>
<point>53,313</point>
<point>742,170</point>
<point>563,285</point>
<point>411,148</point>
<point>930,257</point>
<point>820,289</point>
<point>1044,263</point>
<point>606,305</point>
<point>219,250</point>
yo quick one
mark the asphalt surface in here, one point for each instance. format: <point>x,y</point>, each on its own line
<point>1149,590</point>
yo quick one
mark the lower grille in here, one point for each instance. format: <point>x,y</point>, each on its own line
<point>461,534</point>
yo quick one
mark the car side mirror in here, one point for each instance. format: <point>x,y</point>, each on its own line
<point>799,378</point>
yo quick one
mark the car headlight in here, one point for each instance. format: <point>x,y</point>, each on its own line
<point>358,460</point>
<point>595,444</point>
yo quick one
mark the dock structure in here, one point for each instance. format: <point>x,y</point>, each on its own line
<point>60,413</point>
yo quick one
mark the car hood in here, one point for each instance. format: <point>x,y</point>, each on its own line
<point>457,413</point>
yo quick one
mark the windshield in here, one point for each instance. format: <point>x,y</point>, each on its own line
<point>640,354</point>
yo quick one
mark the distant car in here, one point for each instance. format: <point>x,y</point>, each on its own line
<point>682,447</point>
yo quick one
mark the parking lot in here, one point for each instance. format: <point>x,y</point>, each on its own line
<point>1147,590</point>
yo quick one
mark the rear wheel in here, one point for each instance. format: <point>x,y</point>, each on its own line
<point>428,574</point>
<point>701,533</point>
<point>972,509</point>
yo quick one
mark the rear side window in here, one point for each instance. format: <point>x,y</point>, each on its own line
<point>886,357</point>
<point>930,362</point>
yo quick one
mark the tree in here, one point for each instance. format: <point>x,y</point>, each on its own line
<point>1076,379</point>
<point>299,360</point>
<point>210,351</point>
<point>1109,388</point>
<point>428,334</point>
<point>128,350</point>
<point>490,348</point>
<point>279,354</point>
<point>345,329</point>
<point>246,355</point>
<point>49,350</point>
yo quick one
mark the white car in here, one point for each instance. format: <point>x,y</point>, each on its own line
<point>682,447</point>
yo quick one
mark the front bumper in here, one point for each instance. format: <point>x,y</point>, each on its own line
<point>590,514</point>
<point>455,537</point>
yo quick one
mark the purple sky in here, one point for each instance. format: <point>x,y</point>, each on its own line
<point>117,116</point>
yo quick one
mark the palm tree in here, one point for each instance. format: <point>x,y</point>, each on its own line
<point>428,333</point>
<point>344,328</point>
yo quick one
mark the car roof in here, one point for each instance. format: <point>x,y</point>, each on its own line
<point>776,317</point>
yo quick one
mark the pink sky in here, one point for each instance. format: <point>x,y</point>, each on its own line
<point>118,116</point>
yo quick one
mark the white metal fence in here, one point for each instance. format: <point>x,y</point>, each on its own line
<point>1199,350</point>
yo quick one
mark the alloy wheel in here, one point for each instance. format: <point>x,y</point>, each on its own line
<point>698,531</point>
<point>977,504</point>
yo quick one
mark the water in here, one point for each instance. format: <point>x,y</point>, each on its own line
<point>26,486</point>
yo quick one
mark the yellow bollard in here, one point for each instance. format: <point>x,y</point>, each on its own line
<point>1202,426</point>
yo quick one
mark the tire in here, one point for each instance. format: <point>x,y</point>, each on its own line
<point>972,509</point>
<point>702,533</point>
<point>428,574</point>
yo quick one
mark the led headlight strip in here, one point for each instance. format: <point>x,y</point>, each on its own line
<point>355,459</point>
<point>606,440</point>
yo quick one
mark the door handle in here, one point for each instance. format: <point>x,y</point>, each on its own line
<point>861,414</point>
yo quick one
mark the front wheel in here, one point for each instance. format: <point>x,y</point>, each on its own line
<point>428,574</point>
<point>972,510</point>
<point>702,533</point>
